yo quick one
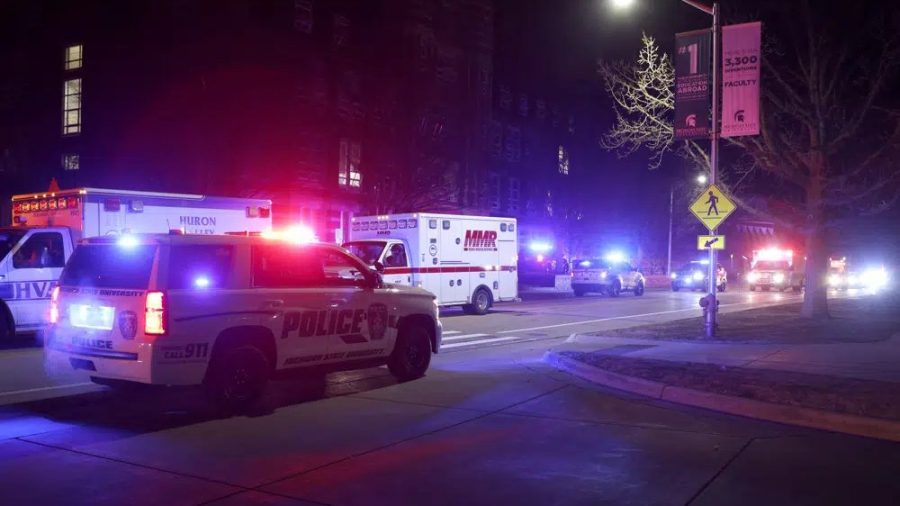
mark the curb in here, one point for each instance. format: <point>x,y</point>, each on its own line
<point>781,413</point>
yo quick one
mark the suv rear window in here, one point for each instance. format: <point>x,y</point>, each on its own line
<point>200,266</point>
<point>110,266</point>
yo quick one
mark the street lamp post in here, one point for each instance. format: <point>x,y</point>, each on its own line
<point>714,145</point>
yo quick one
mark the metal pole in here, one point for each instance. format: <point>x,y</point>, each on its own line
<point>714,165</point>
<point>671,213</point>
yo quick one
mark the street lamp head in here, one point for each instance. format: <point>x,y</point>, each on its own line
<point>701,179</point>
<point>622,4</point>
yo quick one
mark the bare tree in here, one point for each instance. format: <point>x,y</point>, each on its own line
<point>423,190</point>
<point>830,132</point>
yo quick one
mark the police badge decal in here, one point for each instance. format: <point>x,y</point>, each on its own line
<point>377,321</point>
<point>128,324</point>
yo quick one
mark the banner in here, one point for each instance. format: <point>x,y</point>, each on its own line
<point>740,79</point>
<point>692,87</point>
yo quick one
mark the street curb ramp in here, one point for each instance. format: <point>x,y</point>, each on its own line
<point>791,415</point>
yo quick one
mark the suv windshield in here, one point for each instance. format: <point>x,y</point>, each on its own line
<point>590,263</point>
<point>110,266</point>
<point>768,265</point>
<point>368,251</point>
<point>694,266</point>
<point>8,239</point>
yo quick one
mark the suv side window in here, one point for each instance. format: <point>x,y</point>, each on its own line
<point>284,266</point>
<point>42,250</point>
<point>340,270</point>
<point>200,266</point>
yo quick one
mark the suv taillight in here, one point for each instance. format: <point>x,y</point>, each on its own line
<point>155,314</point>
<point>54,305</point>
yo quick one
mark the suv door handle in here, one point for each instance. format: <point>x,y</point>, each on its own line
<point>274,303</point>
<point>336,302</point>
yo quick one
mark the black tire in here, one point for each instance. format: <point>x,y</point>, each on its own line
<point>411,355</point>
<point>675,287</point>
<point>579,292</point>
<point>614,289</point>
<point>238,377</point>
<point>752,288</point>
<point>722,287</point>
<point>481,302</point>
<point>6,326</point>
<point>639,289</point>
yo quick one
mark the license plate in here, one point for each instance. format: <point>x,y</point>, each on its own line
<point>91,317</point>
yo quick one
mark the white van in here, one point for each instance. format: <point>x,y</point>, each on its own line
<point>463,260</point>
<point>46,227</point>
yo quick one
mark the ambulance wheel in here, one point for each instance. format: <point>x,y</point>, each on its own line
<point>579,292</point>
<point>614,289</point>
<point>481,302</point>
<point>797,288</point>
<point>639,289</point>
<point>238,377</point>
<point>412,353</point>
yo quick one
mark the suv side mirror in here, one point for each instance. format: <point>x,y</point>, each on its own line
<point>379,267</point>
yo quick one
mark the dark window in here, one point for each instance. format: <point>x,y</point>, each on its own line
<point>200,266</point>
<point>340,269</point>
<point>8,240</point>
<point>368,251</point>
<point>110,266</point>
<point>396,256</point>
<point>446,225</point>
<point>40,251</point>
<point>284,266</point>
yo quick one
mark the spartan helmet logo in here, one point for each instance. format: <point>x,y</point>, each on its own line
<point>377,320</point>
<point>128,324</point>
<point>739,115</point>
<point>690,120</point>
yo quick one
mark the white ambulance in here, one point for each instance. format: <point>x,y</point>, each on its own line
<point>463,260</point>
<point>46,226</point>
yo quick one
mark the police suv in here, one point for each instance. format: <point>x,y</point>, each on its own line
<point>230,311</point>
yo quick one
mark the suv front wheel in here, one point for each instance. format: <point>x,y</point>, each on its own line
<point>411,355</point>
<point>238,377</point>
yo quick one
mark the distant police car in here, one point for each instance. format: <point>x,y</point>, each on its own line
<point>611,277</point>
<point>229,311</point>
<point>694,275</point>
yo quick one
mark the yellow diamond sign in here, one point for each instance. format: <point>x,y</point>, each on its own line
<point>712,207</point>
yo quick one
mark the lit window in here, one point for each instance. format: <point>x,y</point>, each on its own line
<point>563,158</point>
<point>73,57</point>
<point>72,106</point>
<point>71,161</point>
<point>349,172</point>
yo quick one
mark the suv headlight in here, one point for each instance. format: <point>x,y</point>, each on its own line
<point>674,276</point>
<point>778,277</point>
<point>698,275</point>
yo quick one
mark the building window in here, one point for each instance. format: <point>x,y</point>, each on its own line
<point>494,191</point>
<point>72,106</point>
<point>71,161</point>
<point>515,192</point>
<point>303,16</point>
<point>349,172</point>
<point>563,159</point>
<point>73,57</point>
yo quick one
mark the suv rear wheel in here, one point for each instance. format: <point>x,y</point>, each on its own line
<point>639,288</point>
<point>6,331</point>
<point>614,289</point>
<point>238,377</point>
<point>412,353</point>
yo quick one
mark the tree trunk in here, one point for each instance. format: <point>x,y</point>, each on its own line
<point>815,299</point>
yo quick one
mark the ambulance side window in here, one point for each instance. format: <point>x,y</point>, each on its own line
<point>396,256</point>
<point>280,266</point>
<point>42,250</point>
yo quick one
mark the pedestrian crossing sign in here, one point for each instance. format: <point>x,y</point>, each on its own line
<point>712,207</point>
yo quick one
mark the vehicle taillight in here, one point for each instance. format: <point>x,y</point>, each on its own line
<point>155,314</point>
<point>54,305</point>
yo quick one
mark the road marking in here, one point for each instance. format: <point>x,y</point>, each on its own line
<point>480,341</point>
<point>464,336</point>
<point>451,332</point>
<point>44,389</point>
<point>569,324</point>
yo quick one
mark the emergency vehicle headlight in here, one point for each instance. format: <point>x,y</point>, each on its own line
<point>752,277</point>
<point>127,241</point>
<point>674,276</point>
<point>875,278</point>
<point>201,282</point>
<point>778,277</point>
<point>603,275</point>
<point>834,280</point>
<point>697,275</point>
<point>540,247</point>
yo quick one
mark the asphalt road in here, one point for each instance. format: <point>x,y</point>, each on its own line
<point>489,424</point>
